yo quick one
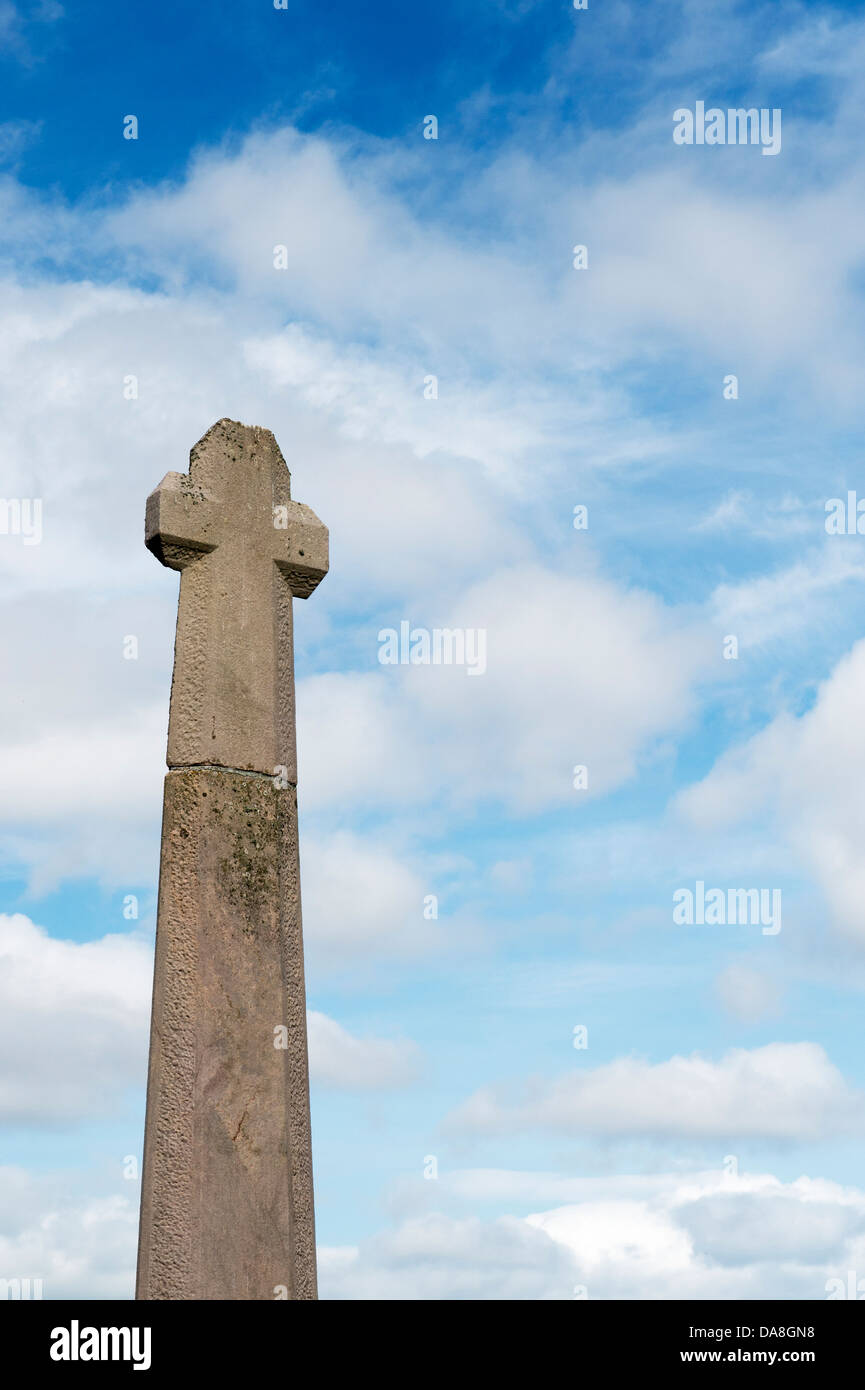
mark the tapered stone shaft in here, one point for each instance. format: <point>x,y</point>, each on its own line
<point>227,1204</point>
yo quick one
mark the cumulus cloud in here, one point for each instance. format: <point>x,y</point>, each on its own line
<point>98,788</point>
<point>73,1023</point>
<point>359,256</point>
<point>783,1091</point>
<point>744,1228</point>
<point>438,1257</point>
<point>701,1235</point>
<point>339,1060</point>
<point>577,672</point>
<point>354,246</point>
<point>361,897</point>
<point>822,752</point>
<point>688,1243</point>
<point>391,400</point>
<point>78,1245</point>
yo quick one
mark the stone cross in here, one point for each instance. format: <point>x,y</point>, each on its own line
<point>226,1206</point>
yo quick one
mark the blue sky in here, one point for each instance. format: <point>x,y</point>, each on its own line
<point>607,1168</point>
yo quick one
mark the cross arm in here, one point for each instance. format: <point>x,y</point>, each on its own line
<point>301,547</point>
<point>181,521</point>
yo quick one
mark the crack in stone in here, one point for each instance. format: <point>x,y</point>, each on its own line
<point>219,767</point>
<point>244,1115</point>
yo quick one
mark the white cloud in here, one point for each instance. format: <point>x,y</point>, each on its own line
<point>663,1236</point>
<point>373,396</point>
<point>78,1246</point>
<point>738,1229</point>
<point>806,774</point>
<point>771,606</point>
<point>720,273</point>
<point>437,1257</point>
<point>15,136</point>
<point>339,1060</point>
<point>357,252</point>
<point>358,743</point>
<point>712,1236</point>
<point>783,1091</point>
<point>85,801</point>
<point>360,897</point>
<point>578,671</point>
<point>740,511</point>
<point>18,30</point>
<point>97,769</point>
<point>73,1023</point>
<point>362,259</point>
<point>748,994</point>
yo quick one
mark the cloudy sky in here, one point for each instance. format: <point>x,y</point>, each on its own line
<point>553,1088</point>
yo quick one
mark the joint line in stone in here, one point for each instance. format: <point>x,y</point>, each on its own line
<point>220,767</point>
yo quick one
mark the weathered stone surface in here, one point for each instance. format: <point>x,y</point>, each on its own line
<point>243,548</point>
<point>227,1206</point>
